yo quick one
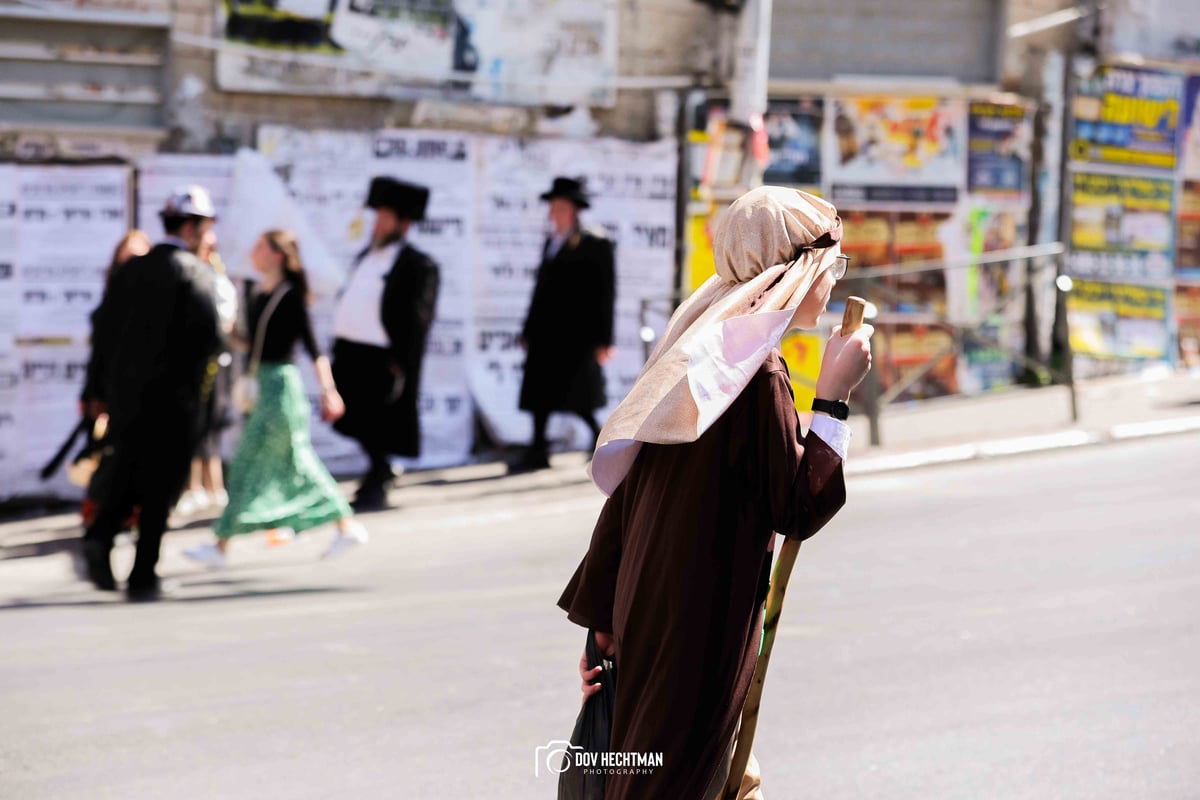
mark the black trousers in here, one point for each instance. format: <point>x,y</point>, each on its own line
<point>365,381</point>
<point>541,446</point>
<point>147,477</point>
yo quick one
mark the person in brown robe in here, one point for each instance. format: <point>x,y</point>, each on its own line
<point>676,574</point>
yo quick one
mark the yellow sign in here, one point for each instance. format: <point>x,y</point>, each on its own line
<point>802,352</point>
<point>700,263</point>
<point>1118,320</point>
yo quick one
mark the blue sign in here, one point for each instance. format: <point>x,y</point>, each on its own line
<point>999,150</point>
<point>794,137</point>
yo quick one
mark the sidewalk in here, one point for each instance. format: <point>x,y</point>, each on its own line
<point>948,430</point>
<point>1025,420</point>
<point>912,435</point>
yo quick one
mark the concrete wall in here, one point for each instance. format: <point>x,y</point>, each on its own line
<point>657,38</point>
<point>668,38</point>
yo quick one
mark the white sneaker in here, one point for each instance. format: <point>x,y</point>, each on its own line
<point>192,502</point>
<point>352,536</point>
<point>186,505</point>
<point>219,499</point>
<point>207,554</point>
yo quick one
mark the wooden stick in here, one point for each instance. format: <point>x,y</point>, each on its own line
<point>782,573</point>
<point>852,318</point>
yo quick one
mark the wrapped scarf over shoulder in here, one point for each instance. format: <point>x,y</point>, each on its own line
<point>770,246</point>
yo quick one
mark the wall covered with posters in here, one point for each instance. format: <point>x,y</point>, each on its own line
<point>485,227</point>
<point>1134,234</point>
<point>916,179</point>
<point>58,227</point>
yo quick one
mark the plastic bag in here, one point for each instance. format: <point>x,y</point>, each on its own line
<point>593,729</point>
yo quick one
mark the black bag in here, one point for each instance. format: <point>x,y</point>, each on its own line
<point>593,729</point>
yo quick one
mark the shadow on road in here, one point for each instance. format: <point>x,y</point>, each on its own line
<point>67,543</point>
<point>182,595</point>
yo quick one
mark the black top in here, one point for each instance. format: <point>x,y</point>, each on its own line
<point>569,317</point>
<point>289,322</point>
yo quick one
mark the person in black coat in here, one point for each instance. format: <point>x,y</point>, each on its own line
<point>381,325</point>
<point>153,335</point>
<point>568,331</point>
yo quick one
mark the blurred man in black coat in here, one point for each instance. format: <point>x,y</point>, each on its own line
<point>382,322</point>
<point>568,332</point>
<point>152,338</point>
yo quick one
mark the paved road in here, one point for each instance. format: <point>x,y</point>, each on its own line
<point>1023,628</point>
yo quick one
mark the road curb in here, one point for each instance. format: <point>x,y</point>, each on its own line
<point>1020,445</point>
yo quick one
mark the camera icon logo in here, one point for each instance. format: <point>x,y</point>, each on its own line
<point>554,758</point>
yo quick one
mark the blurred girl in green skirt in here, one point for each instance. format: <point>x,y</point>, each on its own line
<point>276,480</point>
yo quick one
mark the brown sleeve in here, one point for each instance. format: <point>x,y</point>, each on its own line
<point>588,598</point>
<point>802,475</point>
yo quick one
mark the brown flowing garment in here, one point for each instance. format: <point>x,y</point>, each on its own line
<point>677,570</point>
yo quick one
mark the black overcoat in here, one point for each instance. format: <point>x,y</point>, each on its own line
<point>152,338</point>
<point>569,317</point>
<point>407,309</point>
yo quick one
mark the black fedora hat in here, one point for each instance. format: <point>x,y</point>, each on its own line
<point>408,200</point>
<point>573,189</point>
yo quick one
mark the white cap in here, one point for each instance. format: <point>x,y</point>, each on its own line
<point>189,201</point>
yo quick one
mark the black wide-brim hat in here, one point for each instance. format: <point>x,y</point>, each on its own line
<point>569,189</point>
<point>408,200</point>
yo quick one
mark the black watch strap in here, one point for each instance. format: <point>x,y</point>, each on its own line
<point>834,408</point>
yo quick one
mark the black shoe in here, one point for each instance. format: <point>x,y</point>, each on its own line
<point>384,477</point>
<point>97,566</point>
<point>530,462</point>
<point>146,592</point>
<point>370,498</point>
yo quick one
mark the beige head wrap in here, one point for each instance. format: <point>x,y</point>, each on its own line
<point>770,247</point>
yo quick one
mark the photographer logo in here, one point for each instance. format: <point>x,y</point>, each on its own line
<point>555,758</point>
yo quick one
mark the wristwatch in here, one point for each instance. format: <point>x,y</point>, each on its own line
<point>834,408</point>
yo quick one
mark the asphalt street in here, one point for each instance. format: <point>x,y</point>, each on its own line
<point>1027,627</point>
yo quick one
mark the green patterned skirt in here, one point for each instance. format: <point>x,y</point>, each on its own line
<point>276,479</point>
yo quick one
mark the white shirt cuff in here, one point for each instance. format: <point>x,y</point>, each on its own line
<point>833,432</point>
